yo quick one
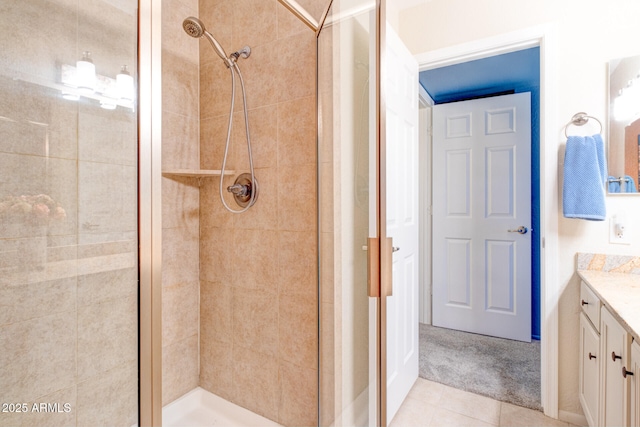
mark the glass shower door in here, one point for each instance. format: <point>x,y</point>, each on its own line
<point>68,213</point>
<point>349,310</point>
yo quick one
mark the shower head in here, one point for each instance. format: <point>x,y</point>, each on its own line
<point>195,28</point>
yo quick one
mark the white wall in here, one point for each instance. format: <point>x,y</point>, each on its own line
<point>588,33</point>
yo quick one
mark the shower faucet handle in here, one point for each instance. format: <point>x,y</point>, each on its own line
<point>238,189</point>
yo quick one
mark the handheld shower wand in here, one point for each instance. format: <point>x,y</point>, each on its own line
<point>245,189</point>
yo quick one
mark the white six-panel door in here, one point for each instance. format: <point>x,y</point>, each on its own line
<point>481,196</point>
<point>402,220</point>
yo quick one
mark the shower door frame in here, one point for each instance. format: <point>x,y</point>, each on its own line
<point>150,211</point>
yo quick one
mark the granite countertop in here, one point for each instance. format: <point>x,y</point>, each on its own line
<point>620,293</point>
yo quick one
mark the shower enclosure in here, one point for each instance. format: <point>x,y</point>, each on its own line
<point>241,297</point>
<point>239,292</point>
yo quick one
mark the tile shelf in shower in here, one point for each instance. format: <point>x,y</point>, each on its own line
<point>197,173</point>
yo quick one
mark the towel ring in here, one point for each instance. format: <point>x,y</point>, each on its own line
<point>580,119</point>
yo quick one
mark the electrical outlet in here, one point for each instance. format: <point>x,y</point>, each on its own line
<point>618,232</point>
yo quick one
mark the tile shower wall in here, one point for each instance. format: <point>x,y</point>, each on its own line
<point>258,270</point>
<point>180,203</point>
<point>68,284</point>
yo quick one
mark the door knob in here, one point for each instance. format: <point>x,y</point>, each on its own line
<point>625,372</point>
<point>395,249</point>
<point>591,356</point>
<point>522,230</point>
<point>614,356</point>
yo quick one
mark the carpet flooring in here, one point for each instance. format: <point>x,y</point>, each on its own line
<point>505,370</point>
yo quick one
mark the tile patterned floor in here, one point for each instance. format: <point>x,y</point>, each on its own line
<point>431,404</point>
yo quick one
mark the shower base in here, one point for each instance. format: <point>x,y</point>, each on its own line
<point>200,408</point>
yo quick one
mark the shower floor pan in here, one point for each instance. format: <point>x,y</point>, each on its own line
<point>199,408</point>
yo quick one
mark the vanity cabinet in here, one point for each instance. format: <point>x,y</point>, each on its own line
<point>605,349</point>
<point>591,305</point>
<point>589,369</point>
<point>634,402</point>
<point>614,347</point>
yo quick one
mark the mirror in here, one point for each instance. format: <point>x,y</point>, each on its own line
<point>624,125</point>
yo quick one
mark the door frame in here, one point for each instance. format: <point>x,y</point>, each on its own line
<point>424,195</point>
<point>543,37</point>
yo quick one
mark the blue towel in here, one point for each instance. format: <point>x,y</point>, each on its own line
<point>585,174</point>
<point>631,185</point>
<point>615,186</point>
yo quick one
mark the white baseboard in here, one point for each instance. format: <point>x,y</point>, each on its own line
<point>572,418</point>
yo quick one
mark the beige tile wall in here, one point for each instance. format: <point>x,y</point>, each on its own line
<point>180,203</point>
<point>258,270</point>
<point>68,288</point>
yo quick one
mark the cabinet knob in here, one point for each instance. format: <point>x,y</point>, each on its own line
<point>614,356</point>
<point>591,356</point>
<point>625,372</point>
<point>583,302</point>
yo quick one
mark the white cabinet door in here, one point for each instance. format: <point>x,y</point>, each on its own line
<point>614,347</point>
<point>634,401</point>
<point>589,370</point>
